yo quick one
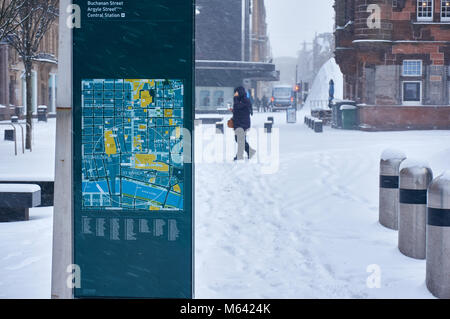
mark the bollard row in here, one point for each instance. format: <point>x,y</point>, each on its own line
<point>314,123</point>
<point>419,207</point>
<point>220,126</point>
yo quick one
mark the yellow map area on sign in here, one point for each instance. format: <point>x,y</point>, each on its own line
<point>110,143</point>
<point>147,161</point>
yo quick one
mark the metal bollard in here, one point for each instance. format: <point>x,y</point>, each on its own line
<point>389,181</point>
<point>268,127</point>
<point>438,237</point>
<point>219,128</point>
<point>318,126</point>
<point>412,212</point>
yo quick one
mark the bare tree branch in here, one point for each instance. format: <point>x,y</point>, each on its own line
<point>33,20</point>
<point>9,11</point>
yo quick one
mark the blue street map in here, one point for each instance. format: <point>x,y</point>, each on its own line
<point>132,144</point>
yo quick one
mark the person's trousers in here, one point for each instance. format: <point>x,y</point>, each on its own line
<point>241,140</point>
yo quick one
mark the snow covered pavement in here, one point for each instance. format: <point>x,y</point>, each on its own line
<point>310,230</point>
<point>38,165</point>
<point>26,256</point>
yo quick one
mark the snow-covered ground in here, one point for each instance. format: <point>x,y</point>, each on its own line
<point>26,256</point>
<point>38,164</point>
<point>309,230</point>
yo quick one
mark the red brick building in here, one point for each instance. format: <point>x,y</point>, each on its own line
<point>395,57</point>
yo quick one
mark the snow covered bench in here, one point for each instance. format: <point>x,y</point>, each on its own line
<point>44,182</point>
<point>16,200</point>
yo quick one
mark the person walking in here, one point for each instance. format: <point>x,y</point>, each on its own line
<point>264,103</point>
<point>242,109</point>
<point>258,104</point>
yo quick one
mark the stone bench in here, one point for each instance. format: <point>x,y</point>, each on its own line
<point>16,200</point>
<point>47,187</point>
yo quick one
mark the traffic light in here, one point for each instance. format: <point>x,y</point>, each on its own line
<point>298,87</point>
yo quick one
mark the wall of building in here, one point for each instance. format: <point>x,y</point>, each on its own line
<point>232,49</point>
<point>219,30</point>
<point>375,61</point>
<point>394,118</point>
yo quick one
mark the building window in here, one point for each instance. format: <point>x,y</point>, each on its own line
<point>205,98</point>
<point>445,10</point>
<point>219,98</point>
<point>412,68</point>
<point>425,10</point>
<point>412,92</point>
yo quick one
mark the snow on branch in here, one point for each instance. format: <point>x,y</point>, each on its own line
<point>34,19</point>
<point>9,11</point>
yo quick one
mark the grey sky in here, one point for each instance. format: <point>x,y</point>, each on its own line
<point>290,22</point>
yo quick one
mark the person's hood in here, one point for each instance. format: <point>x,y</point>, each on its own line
<point>241,92</point>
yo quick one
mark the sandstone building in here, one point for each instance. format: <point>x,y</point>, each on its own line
<point>396,67</point>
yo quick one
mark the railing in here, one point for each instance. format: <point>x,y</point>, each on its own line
<point>15,135</point>
<point>13,125</point>
<point>318,103</point>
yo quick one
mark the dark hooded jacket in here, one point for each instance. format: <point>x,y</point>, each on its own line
<point>242,109</point>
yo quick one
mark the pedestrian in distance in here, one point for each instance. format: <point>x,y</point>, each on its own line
<point>258,104</point>
<point>330,93</point>
<point>264,103</point>
<point>242,109</point>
